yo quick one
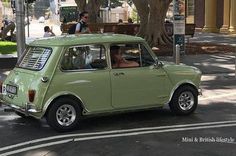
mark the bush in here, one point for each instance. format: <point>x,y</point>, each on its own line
<point>7,47</point>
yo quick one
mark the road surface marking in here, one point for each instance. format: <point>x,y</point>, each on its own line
<point>217,96</point>
<point>113,134</point>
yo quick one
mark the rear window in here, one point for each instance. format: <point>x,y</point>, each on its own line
<point>35,58</point>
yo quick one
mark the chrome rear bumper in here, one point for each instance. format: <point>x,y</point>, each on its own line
<point>27,110</point>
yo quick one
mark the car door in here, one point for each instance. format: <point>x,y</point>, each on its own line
<point>84,73</point>
<point>138,86</point>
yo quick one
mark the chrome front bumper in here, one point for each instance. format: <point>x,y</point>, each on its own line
<point>200,91</point>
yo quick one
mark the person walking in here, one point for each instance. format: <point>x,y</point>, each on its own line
<point>82,26</point>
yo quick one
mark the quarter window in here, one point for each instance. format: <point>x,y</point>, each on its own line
<point>84,57</point>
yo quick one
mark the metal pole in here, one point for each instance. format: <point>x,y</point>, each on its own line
<point>20,27</point>
<point>27,7</point>
<point>178,25</point>
<point>109,11</point>
<point>177,54</point>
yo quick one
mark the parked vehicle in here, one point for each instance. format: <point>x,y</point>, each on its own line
<point>41,19</point>
<point>65,78</point>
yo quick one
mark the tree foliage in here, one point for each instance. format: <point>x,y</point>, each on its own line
<point>93,7</point>
<point>114,3</point>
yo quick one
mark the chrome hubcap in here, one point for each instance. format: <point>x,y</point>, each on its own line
<point>186,100</point>
<point>66,115</point>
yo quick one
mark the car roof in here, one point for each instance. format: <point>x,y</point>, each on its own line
<point>67,40</point>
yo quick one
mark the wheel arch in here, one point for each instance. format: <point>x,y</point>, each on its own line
<point>59,96</point>
<point>180,85</point>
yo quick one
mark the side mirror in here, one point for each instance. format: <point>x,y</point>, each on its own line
<point>158,64</point>
<point>156,60</point>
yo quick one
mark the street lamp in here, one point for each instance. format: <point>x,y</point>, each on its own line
<point>109,10</point>
<point>27,12</point>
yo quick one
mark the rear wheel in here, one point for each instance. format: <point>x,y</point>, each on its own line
<point>64,114</point>
<point>184,101</point>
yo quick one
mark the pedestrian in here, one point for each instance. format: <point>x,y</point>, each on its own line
<point>181,7</point>
<point>130,20</point>
<point>48,32</point>
<point>8,25</point>
<point>120,21</point>
<point>82,26</point>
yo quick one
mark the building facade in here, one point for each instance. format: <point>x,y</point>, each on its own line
<point>217,16</point>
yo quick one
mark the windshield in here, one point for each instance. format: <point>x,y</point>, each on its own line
<point>34,58</point>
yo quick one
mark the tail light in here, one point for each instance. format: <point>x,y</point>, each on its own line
<point>31,95</point>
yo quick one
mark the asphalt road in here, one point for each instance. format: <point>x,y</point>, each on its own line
<point>210,131</point>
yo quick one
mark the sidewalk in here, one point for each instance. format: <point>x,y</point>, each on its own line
<point>208,64</point>
<point>218,63</point>
<point>221,39</point>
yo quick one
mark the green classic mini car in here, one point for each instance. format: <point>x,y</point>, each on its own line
<point>67,77</point>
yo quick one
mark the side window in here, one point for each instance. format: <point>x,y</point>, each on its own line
<point>125,55</point>
<point>84,57</point>
<point>130,56</point>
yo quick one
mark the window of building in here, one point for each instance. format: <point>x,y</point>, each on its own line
<point>190,11</point>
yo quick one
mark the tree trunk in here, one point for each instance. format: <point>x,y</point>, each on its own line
<point>156,24</point>
<point>93,7</point>
<point>143,12</point>
<point>152,20</point>
<point>81,5</point>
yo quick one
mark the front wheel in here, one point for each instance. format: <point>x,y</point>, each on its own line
<point>64,114</point>
<point>184,101</point>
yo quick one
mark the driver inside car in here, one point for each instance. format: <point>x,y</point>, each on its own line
<point>117,61</point>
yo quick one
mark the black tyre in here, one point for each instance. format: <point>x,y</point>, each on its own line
<point>64,114</point>
<point>184,101</point>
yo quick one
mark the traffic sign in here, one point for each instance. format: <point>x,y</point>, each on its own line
<point>179,25</point>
